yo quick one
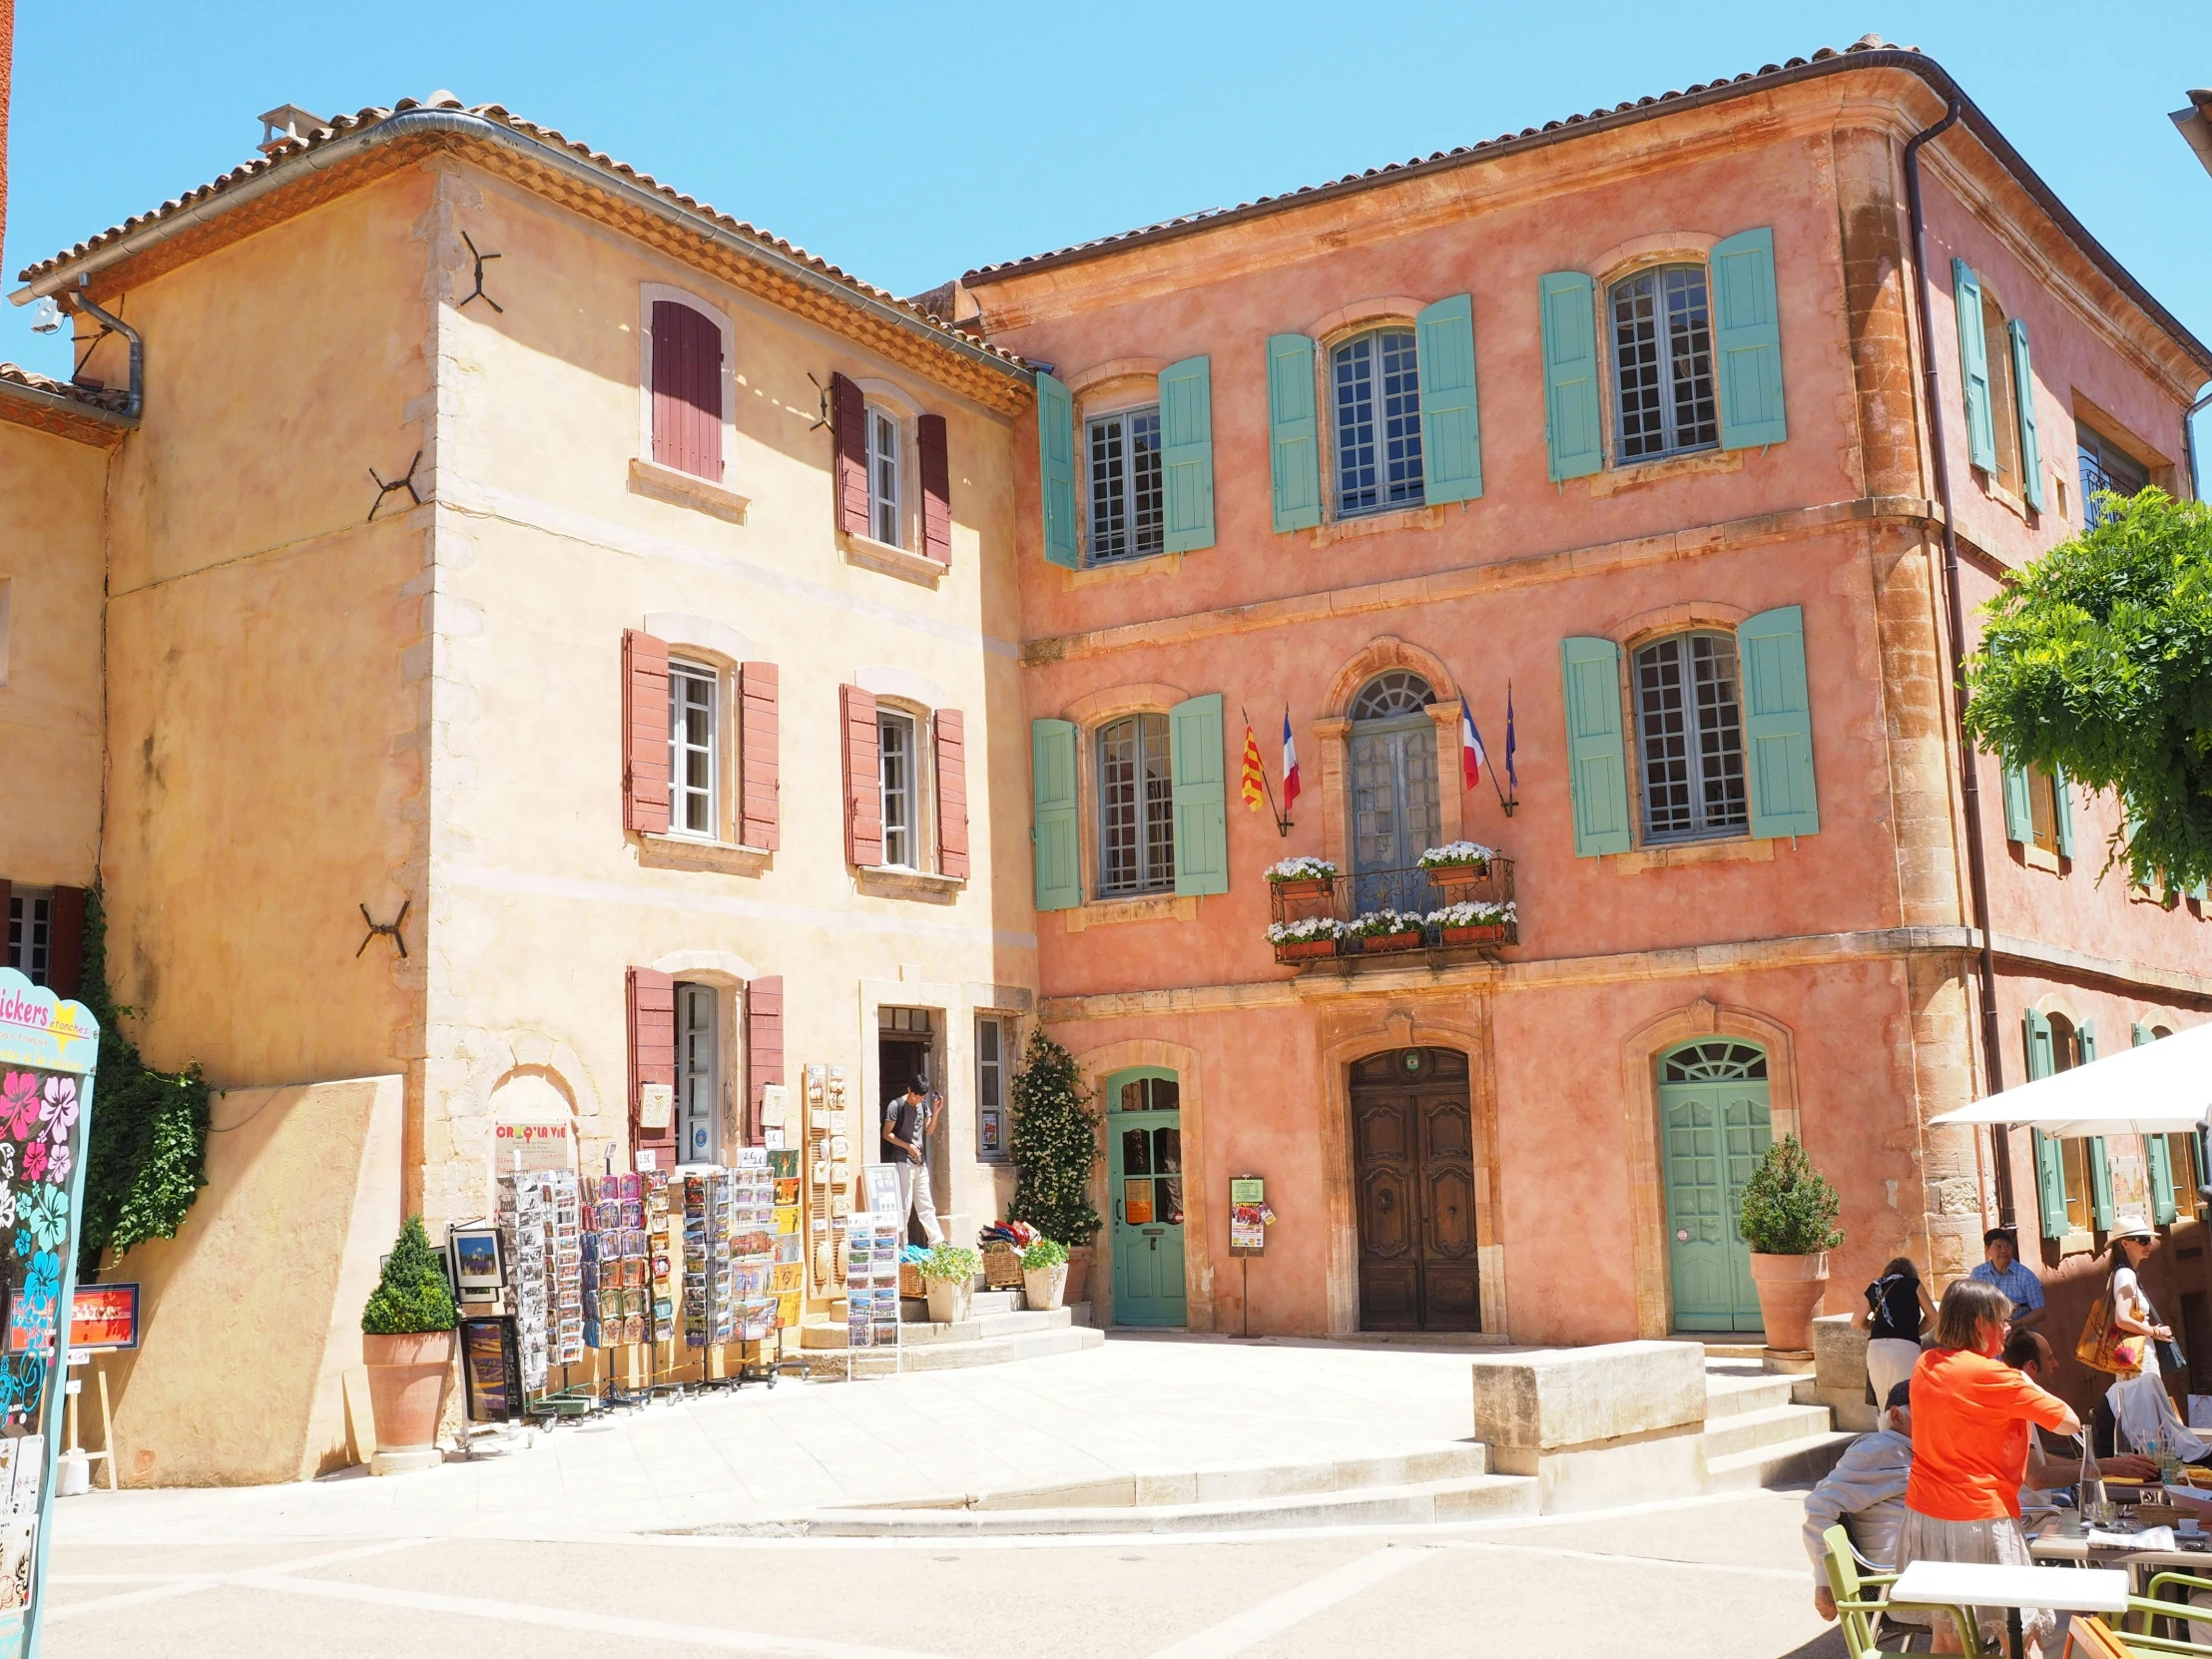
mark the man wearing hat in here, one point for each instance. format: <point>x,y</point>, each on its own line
<point>2001,1267</point>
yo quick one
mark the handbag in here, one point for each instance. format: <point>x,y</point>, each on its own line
<point>2104,1347</point>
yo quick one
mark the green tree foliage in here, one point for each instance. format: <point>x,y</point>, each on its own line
<point>147,1156</point>
<point>1789,1208</point>
<point>412,1296</point>
<point>2098,659</point>
<point>1054,1143</point>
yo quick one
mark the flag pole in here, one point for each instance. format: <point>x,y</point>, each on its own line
<point>1514,800</point>
<point>1283,825</point>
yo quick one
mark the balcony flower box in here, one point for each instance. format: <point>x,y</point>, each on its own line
<point>1304,940</point>
<point>1457,864</point>
<point>1472,921</point>
<point>1307,879</point>
<point>1371,944</point>
<point>1384,931</point>
<point>1487,933</point>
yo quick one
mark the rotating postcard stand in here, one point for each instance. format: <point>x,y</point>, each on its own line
<point>48,1049</point>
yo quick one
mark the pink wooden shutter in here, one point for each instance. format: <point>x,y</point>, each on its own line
<point>686,389</point>
<point>936,489</point>
<point>64,941</point>
<point>849,411</point>
<point>863,797</point>
<point>952,847</point>
<point>757,691</point>
<point>764,1044</point>
<point>644,731</point>
<point>652,1052</point>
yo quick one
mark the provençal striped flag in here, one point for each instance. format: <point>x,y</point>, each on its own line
<point>1254,778</point>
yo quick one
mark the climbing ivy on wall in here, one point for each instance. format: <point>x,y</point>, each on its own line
<point>148,1154</point>
<point>1054,1143</point>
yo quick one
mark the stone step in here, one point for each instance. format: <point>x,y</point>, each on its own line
<point>1797,1462</point>
<point>1227,1483</point>
<point>1731,1395</point>
<point>984,1328</point>
<point>1743,1430</point>
<point>1034,1345</point>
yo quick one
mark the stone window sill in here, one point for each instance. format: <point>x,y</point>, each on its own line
<point>889,881</point>
<point>1672,855</point>
<point>1636,474</point>
<point>1108,912</point>
<point>687,853</point>
<point>684,489</point>
<point>2077,1243</point>
<point>2035,857</point>
<point>871,554</point>
<point>1124,570</point>
<point>1375,524</point>
<point>2004,497</point>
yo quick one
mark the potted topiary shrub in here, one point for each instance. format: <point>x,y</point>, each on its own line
<point>1789,1220</point>
<point>1044,1275</point>
<point>407,1346</point>
<point>949,1279</point>
<point>1054,1146</point>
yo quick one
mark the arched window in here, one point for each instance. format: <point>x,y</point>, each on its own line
<point>1136,807</point>
<point>1400,692</point>
<point>1690,728</point>
<point>1375,380</point>
<point>1395,798</point>
<point>1663,363</point>
<point>1716,1061</point>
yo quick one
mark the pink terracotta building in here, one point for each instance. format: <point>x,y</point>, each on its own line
<point>1624,418</point>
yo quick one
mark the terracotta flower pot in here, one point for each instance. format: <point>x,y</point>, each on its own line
<point>1789,1292</point>
<point>1044,1288</point>
<point>408,1377</point>
<point>1487,933</point>
<point>1390,942</point>
<point>1299,951</point>
<point>1306,886</point>
<point>1079,1273</point>
<point>1454,877</point>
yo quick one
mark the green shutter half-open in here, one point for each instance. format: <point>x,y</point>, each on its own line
<point>1746,341</point>
<point>1778,723</point>
<point>1293,435</point>
<point>1974,368</point>
<point>2020,819</point>
<point>2100,1185</point>
<point>1451,429</point>
<point>1052,814</point>
<point>2061,800</point>
<point>2050,1186</point>
<point>2138,1034</point>
<point>2201,893</point>
<point>1201,796</point>
<point>1573,428</point>
<point>2023,394</point>
<point>2162,1206</point>
<point>1597,760</point>
<point>1187,453</point>
<point>2085,1043</point>
<point>1056,468</point>
<point>2038,1030</point>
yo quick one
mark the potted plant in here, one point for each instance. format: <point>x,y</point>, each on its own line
<point>948,1276</point>
<point>1388,930</point>
<point>1044,1275</point>
<point>1054,1146</point>
<point>407,1346</point>
<point>1309,936</point>
<point>1789,1220</point>
<point>1457,865</point>
<point>1302,877</point>
<point>1472,921</point>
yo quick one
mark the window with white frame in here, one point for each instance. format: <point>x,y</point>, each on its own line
<point>1376,383</point>
<point>1136,807</point>
<point>31,933</point>
<point>992,1040</point>
<point>882,475</point>
<point>1663,363</point>
<point>692,748</point>
<point>898,756</point>
<point>1128,512</point>
<point>697,1074</point>
<point>1690,726</point>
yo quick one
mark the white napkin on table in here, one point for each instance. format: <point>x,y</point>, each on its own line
<point>2155,1538</point>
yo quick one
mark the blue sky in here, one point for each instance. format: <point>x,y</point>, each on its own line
<point>909,142</point>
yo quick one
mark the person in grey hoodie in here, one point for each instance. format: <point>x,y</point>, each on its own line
<point>1866,1491</point>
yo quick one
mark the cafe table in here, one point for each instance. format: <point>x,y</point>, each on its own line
<point>1977,1584</point>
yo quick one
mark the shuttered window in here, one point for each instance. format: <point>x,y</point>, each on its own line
<point>1451,425</point>
<point>1056,469</point>
<point>1375,388</point>
<point>1127,501</point>
<point>900,786</point>
<point>1747,340</point>
<point>1573,442</point>
<point>645,733</point>
<point>1973,367</point>
<point>951,780</point>
<point>1294,434</point>
<point>763,1045</point>
<point>686,389</point>
<point>31,931</point>
<point>758,755</point>
<point>1197,760</point>
<point>849,423</point>
<point>1665,399</point>
<point>1136,807</point>
<point>864,798</point>
<point>1597,771</point>
<point>652,1023</point>
<point>936,488</point>
<point>882,475</point>
<point>1052,824</point>
<point>693,758</point>
<point>1187,454</point>
<point>1690,734</point>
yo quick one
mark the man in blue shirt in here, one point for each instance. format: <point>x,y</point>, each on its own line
<point>2004,1268</point>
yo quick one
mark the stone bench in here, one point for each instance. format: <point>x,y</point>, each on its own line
<point>1617,1423</point>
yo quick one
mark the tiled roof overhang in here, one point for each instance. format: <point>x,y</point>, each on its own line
<point>79,413</point>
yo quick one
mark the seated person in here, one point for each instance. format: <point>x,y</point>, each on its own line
<point>1866,1491</point>
<point>2029,1353</point>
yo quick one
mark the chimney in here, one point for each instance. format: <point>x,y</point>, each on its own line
<point>286,124</point>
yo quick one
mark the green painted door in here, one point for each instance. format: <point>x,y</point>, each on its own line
<point>1714,1129</point>
<point>1144,1153</point>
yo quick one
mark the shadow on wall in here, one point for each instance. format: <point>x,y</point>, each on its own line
<point>250,1343</point>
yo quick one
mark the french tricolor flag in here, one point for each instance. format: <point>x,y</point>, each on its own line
<point>1471,756</point>
<point>1290,765</point>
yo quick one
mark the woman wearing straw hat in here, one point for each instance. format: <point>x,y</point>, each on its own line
<point>2140,1405</point>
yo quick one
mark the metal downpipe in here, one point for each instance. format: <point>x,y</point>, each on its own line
<point>108,319</point>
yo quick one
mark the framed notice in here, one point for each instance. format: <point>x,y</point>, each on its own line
<point>656,1105</point>
<point>882,1190</point>
<point>1249,1215</point>
<point>105,1317</point>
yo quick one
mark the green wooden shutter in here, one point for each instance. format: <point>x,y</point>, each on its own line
<point>1056,468</point>
<point>2038,1046</point>
<point>2085,1043</point>
<point>2019,818</point>
<point>1293,435</point>
<point>1187,453</point>
<point>1974,368</point>
<point>1597,760</point>
<point>1778,723</point>
<point>1573,429</point>
<point>2202,892</point>
<point>1201,796</point>
<point>2050,1186</point>
<point>2023,394</point>
<point>1746,341</point>
<point>1451,429</point>
<point>1052,819</point>
<point>2100,1185</point>
<point>2138,1034</point>
<point>2162,1206</point>
<point>2061,800</point>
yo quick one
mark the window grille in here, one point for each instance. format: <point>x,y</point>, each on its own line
<point>1377,397</point>
<point>690,749</point>
<point>1663,363</point>
<point>883,476</point>
<point>896,750</point>
<point>1395,693</point>
<point>1128,512</point>
<point>1136,807</point>
<point>1691,723</point>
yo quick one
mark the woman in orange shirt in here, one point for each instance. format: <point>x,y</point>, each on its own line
<point>1970,1417</point>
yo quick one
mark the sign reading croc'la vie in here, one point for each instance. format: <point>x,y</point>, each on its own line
<point>48,1049</point>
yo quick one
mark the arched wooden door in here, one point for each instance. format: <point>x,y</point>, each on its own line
<point>1714,1128</point>
<point>1412,1150</point>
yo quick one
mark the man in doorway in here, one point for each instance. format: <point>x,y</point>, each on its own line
<point>910,1120</point>
<point>2002,1268</point>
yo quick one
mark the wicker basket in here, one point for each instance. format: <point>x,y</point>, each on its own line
<point>911,1281</point>
<point>1002,1266</point>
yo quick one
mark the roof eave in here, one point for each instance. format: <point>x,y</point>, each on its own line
<point>69,407</point>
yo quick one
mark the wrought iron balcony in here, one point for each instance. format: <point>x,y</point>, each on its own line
<point>1415,893</point>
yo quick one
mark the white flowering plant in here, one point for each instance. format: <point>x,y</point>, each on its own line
<point>1302,870</point>
<point>1473,913</point>
<point>1382,924</point>
<point>1457,855</point>
<point>1305,931</point>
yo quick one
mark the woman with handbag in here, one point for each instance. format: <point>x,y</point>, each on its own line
<point>2140,1405</point>
<point>1897,1311</point>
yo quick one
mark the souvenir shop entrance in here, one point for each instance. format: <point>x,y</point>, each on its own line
<point>905,1048</point>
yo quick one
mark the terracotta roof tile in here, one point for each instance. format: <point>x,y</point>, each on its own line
<point>109,399</point>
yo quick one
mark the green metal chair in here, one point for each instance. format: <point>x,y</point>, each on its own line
<point>2142,1610</point>
<point>1858,1606</point>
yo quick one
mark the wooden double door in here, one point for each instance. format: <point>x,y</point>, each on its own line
<point>1412,1152</point>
